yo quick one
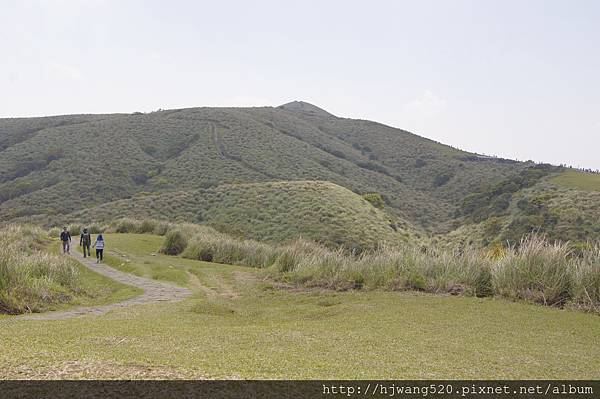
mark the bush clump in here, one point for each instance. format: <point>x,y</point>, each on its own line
<point>375,199</point>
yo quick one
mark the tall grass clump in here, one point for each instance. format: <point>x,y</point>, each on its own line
<point>31,280</point>
<point>161,228</point>
<point>312,264</point>
<point>174,243</point>
<point>95,228</point>
<point>536,271</point>
<point>427,269</point>
<point>75,229</point>
<point>586,290</point>
<point>211,246</point>
<point>293,256</point>
<point>54,232</point>
<point>126,225</point>
<point>147,226</point>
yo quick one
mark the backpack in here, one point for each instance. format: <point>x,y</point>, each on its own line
<point>87,239</point>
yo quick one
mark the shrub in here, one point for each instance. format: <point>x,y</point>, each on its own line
<point>375,199</point>
<point>441,179</point>
<point>174,244</point>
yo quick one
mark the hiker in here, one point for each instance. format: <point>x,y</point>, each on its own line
<point>65,238</point>
<point>99,245</point>
<point>85,240</point>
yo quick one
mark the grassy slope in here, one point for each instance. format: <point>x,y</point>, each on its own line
<point>200,147</point>
<point>563,206</point>
<point>417,161</point>
<point>578,180</point>
<point>276,212</point>
<point>245,328</point>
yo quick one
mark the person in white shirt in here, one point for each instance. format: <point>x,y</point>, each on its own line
<point>99,245</point>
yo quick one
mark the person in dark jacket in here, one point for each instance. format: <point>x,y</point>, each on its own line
<point>65,238</point>
<point>85,241</point>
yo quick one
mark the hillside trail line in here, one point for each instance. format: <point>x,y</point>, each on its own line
<point>217,142</point>
<point>154,292</point>
<point>223,154</point>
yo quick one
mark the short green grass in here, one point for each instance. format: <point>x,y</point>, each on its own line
<point>578,180</point>
<point>138,254</point>
<point>239,325</point>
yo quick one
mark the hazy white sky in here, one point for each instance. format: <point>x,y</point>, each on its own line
<point>514,78</point>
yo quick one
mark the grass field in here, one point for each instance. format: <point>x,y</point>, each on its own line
<point>238,325</point>
<point>578,180</point>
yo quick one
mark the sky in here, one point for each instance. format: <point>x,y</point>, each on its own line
<point>518,79</point>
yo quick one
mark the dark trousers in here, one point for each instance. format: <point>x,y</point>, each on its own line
<point>99,253</point>
<point>86,246</point>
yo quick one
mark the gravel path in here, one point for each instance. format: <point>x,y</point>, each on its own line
<point>154,292</point>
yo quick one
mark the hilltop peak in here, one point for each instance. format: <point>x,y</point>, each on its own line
<point>304,107</point>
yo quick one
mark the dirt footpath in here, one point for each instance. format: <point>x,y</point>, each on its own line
<point>154,291</point>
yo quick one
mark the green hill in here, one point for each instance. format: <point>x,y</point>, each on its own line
<point>89,160</point>
<point>52,166</point>
<point>276,212</point>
